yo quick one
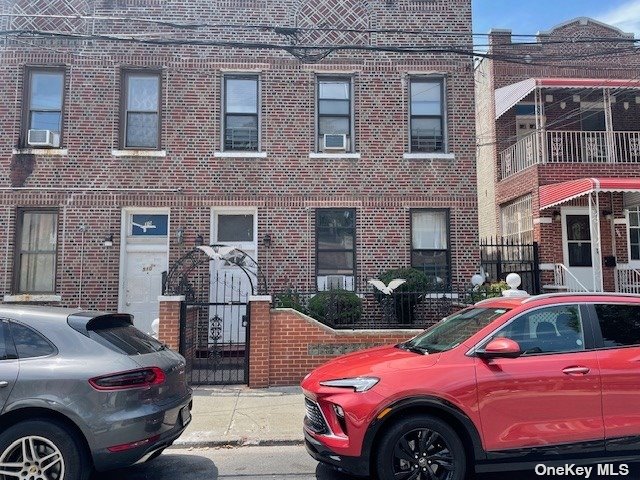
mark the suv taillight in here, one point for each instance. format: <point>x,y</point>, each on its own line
<point>145,377</point>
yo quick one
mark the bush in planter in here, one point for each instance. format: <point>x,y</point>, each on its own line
<point>489,291</point>
<point>409,294</point>
<point>336,307</point>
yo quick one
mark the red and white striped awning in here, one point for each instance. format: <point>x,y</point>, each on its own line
<point>506,97</point>
<point>559,193</point>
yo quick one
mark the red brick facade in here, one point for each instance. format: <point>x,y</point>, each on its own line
<point>90,183</point>
<point>564,59</point>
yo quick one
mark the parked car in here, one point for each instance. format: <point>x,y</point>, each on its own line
<point>82,391</point>
<point>505,384</point>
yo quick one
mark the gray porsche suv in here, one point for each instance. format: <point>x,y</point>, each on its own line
<point>84,390</point>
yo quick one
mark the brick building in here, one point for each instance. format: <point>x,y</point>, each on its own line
<point>558,152</point>
<point>118,155</point>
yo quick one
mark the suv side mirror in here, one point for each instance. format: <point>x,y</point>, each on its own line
<point>500,348</point>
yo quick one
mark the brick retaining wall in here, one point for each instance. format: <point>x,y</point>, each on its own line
<point>286,344</point>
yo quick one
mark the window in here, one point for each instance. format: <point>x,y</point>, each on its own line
<point>548,330</point>
<point>241,121</point>
<point>334,114</point>
<point>427,115</point>
<point>3,339</point>
<point>335,243</point>
<point>517,221</point>
<point>36,244</point>
<point>235,228</point>
<point>620,324</point>
<point>141,110</point>
<point>29,343</point>
<point>430,244</point>
<point>634,233</point>
<point>125,339</point>
<point>43,102</point>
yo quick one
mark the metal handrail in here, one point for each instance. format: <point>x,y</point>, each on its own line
<point>560,271</point>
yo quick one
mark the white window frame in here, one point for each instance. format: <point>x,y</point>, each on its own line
<point>633,262</point>
<point>218,211</point>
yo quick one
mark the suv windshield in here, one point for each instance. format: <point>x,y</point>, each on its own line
<point>453,330</point>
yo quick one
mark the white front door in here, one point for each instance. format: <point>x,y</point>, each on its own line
<point>144,258</point>
<point>576,242</point>
<point>237,227</point>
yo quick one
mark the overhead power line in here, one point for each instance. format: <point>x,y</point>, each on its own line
<point>290,30</point>
<point>314,53</point>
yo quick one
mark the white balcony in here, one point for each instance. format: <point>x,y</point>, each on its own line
<point>570,147</point>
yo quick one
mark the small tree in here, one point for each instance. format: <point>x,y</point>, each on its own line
<point>409,294</point>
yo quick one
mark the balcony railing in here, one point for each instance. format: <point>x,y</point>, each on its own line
<point>570,147</point>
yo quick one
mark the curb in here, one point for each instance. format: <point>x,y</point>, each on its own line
<point>240,442</point>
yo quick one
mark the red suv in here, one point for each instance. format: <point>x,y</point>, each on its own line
<point>506,384</point>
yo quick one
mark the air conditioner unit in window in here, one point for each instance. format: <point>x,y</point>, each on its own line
<point>43,138</point>
<point>335,282</point>
<point>332,141</point>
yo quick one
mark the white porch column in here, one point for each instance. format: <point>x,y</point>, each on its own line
<point>540,135</point>
<point>596,252</point>
<point>608,122</point>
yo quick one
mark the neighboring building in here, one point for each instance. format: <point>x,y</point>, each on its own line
<point>559,152</point>
<point>117,156</point>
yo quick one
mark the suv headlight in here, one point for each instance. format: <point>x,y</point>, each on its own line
<point>359,384</point>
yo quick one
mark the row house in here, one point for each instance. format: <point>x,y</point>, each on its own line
<point>558,152</point>
<point>128,139</point>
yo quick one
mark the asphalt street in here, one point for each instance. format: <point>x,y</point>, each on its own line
<point>273,463</point>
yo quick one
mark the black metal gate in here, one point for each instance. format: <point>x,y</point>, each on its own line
<point>216,281</point>
<point>500,257</point>
<point>214,333</point>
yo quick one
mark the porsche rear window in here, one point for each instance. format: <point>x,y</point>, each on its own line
<point>126,339</point>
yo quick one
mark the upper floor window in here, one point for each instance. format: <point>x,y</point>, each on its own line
<point>43,107</point>
<point>334,119</point>
<point>241,119</point>
<point>335,245</point>
<point>36,251</point>
<point>140,120</point>
<point>430,244</point>
<point>426,111</point>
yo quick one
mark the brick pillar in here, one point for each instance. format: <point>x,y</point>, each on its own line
<point>259,340</point>
<point>169,329</point>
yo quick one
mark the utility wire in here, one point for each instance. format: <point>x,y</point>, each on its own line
<point>292,30</point>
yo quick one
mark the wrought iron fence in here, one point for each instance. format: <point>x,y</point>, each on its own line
<point>343,309</point>
<point>499,258</point>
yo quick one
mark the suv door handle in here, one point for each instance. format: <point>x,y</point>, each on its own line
<point>4,384</point>
<point>576,370</point>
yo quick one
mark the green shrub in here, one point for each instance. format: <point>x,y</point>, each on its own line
<point>290,299</point>
<point>489,291</point>
<point>416,281</point>
<point>409,294</point>
<point>336,307</point>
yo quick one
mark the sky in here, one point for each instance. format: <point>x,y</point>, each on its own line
<point>534,16</point>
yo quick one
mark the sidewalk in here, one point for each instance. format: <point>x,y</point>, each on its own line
<point>237,415</point>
